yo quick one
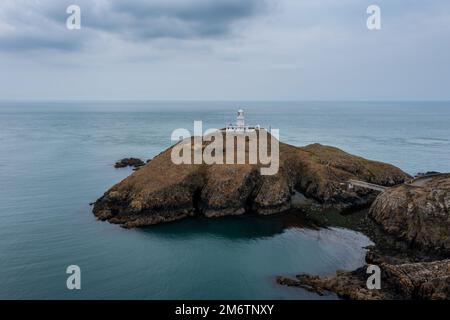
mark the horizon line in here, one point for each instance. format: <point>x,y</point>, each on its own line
<point>217,100</point>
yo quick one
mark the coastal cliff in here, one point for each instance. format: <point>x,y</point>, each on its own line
<point>417,212</point>
<point>162,191</point>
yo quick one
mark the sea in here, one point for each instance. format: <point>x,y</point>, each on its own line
<point>57,157</point>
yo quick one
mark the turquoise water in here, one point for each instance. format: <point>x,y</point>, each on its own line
<point>56,158</point>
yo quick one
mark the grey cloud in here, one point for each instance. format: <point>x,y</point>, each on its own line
<point>198,18</point>
<point>41,25</point>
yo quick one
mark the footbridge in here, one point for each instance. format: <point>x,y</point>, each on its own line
<point>418,182</point>
<point>362,184</point>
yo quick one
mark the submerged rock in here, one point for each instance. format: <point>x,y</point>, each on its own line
<point>417,212</point>
<point>162,191</point>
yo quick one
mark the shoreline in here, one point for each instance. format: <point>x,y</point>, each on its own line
<point>406,221</point>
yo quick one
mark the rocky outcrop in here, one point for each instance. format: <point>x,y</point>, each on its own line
<point>162,191</point>
<point>417,212</point>
<point>129,162</point>
<point>347,285</point>
<point>422,280</point>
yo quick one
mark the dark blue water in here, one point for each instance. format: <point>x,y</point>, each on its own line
<point>56,158</point>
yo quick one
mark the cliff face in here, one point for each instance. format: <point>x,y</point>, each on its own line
<point>162,191</point>
<point>418,213</point>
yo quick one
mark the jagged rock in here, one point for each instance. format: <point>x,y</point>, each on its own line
<point>418,212</point>
<point>129,162</point>
<point>422,280</point>
<point>162,191</point>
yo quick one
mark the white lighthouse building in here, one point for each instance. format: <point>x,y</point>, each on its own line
<point>240,126</point>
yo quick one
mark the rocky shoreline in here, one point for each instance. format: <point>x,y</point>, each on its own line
<point>412,267</point>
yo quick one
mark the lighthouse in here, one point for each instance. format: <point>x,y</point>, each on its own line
<point>240,126</point>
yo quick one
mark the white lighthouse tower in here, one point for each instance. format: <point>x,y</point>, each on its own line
<point>240,120</point>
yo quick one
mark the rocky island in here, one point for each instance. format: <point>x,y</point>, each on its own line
<point>162,191</point>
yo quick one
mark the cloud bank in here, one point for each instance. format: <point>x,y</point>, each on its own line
<point>225,50</point>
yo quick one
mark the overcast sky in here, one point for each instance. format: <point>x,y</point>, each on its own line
<point>225,50</point>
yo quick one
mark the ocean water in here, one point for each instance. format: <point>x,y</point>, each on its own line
<point>57,157</point>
